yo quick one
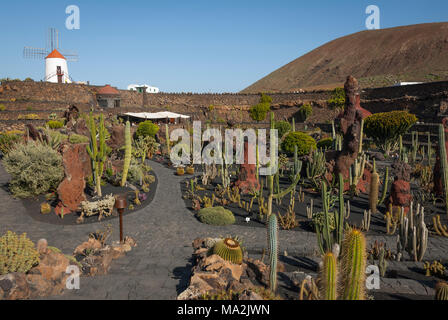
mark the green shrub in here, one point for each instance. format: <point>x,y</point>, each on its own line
<point>34,168</point>
<point>305,111</point>
<point>216,216</point>
<point>55,124</point>
<point>147,128</point>
<point>30,116</point>
<point>7,142</point>
<point>325,143</point>
<point>17,254</point>
<point>283,128</point>
<point>385,128</point>
<point>265,99</point>
<point>305,144</point>
<point>259,111</point>
<point>337,99</point>
<point>2,107</point>
<point>78,138</point>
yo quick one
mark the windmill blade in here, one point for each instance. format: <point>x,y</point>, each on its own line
<point>70,56</point>
<point>34,53</point>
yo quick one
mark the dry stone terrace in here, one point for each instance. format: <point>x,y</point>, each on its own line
<point>159,267</point>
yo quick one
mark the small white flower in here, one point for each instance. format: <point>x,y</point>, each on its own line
<point>247,219</point>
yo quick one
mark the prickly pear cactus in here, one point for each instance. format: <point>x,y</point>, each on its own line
<point>229,249</point>
<point>17,254</point>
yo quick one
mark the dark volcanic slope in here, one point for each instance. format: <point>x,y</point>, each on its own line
<point>376,57</point>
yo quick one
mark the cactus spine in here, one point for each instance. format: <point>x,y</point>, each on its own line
<point>354,265</point>
<point>127,153</point>
<point>97,152</point>
<point>273,251</point>
<point>443,164</point>
<point>328,276</point>
<point>374,185</point>
<point>441,291</point>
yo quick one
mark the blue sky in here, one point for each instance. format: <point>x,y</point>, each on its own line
<point>189,45</point>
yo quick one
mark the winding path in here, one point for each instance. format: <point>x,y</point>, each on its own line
<point>159,267</point>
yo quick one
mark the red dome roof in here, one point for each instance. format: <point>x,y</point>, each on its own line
<point>55,54</point>
<point>108,90</point>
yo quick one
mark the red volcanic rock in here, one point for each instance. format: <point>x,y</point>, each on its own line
<point>400,194</point>
<point>247,180</point>
<point>438,184</point>
<point>71,189</point>
<point>116,139</point>
<point>350,122</point>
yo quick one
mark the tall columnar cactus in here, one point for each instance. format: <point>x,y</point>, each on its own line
<point>441,291</point>
<point>97,150</point>
<point>127,152</point>
<point>293,126</point>
<point>329,277</point>
<point>443,164</point>
<point>354,265</point>
<point>374,186</point>
<point>430,151</point>
<point>385,186</point>
<point>273,251</point>
<point>167,134</point>
<point>361,134</point>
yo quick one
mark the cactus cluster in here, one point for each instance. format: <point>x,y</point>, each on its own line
<point>441,291</point>
<point>413,233</point>
<point>97,150</point>
<point>344,279</point>
<point>229,249</point>
<point>17,253</point>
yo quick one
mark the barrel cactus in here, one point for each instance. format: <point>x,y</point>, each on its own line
<point>229,249</point>
<point>17,254</point>
<point>216,216</point>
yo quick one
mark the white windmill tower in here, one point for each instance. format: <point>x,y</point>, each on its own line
<point>56,68</point>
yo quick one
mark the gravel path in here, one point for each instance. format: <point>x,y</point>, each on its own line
<point>159,267</point>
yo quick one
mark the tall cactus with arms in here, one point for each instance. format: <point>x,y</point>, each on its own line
<point>97,150</point>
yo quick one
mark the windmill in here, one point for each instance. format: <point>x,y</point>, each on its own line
<point>56,69</point>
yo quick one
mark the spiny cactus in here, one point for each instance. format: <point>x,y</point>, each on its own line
<point>229,249</point>
<point>17,254</point>
<point>374,186</point>
<point>329,277</point>
<point>354,265</point>
<point>273,251</point>
<point>385,186</point>
<point>127,153</point>
<point>441,291</point>
<point>97,152</point>
<point>443,164</point>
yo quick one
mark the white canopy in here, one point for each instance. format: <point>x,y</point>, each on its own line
<point>156,115</point>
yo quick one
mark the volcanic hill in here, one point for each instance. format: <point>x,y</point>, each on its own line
<point>376,57</point>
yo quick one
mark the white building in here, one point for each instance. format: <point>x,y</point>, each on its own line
<point>140,88</point>
<point>403,83</point>
<point>56,69</point>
